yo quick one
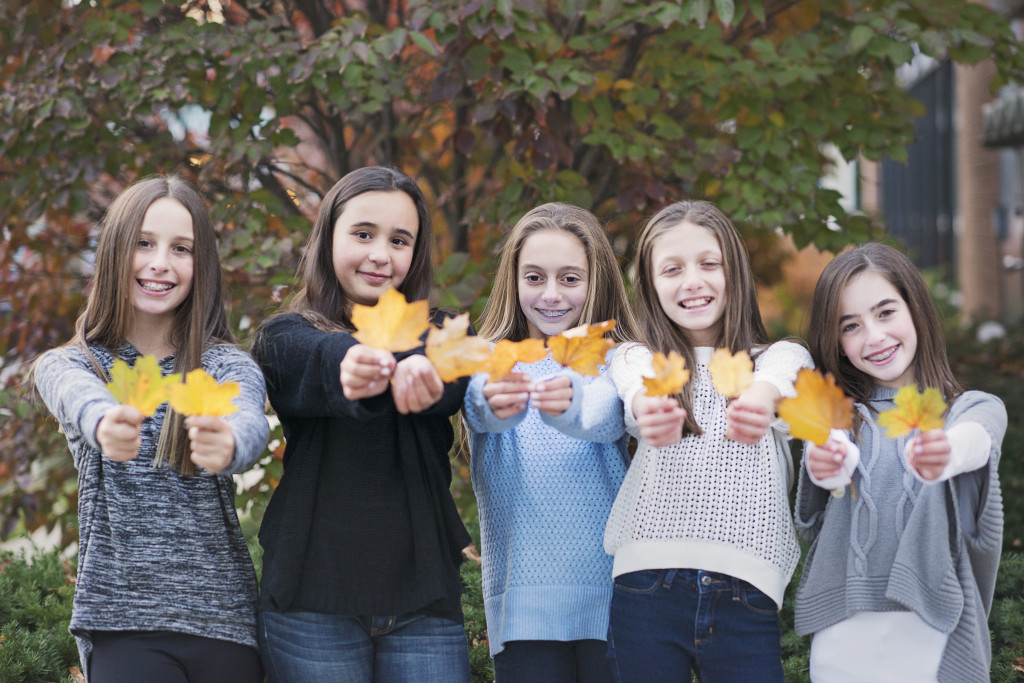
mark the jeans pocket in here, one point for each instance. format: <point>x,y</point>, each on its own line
<point>642,582</point>
<point>757,601</point>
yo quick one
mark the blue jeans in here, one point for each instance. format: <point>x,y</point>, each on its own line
<point>309,647</point>
<point>553,661</point>
<point>666,623</point>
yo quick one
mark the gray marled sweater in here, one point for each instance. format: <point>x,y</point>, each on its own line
<point>157,551</point>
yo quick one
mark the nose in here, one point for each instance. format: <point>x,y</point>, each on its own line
<point>875,334</point>
<point>159,261</point>
<point>379,254</point>
<point>691,279</point>
<point>551,293</point>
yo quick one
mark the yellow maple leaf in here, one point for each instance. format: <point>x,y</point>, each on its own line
<point>453,352</point>
<point>200,394</point>
<point>818,407</point>
<point>507,353</point>
<point>914,410</point>
<point>582,348</point>
<point>731,374</point>
<point>670,374</point>
<point>392,324</point>
<point>141,386</point>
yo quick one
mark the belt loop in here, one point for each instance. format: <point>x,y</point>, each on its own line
<point>736,589</point>
<point>670,576</point>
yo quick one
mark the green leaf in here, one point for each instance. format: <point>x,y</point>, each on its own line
<point>725,10</point>
<point>424,43</point>
<point>860,36</point>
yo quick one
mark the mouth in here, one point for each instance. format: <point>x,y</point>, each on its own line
<point>552,314</point>
<point>375,278</point>
<point>155,287</point>
<point>883,355</point>
<point>698,302</point>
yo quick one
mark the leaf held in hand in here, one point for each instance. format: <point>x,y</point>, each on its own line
<point>392,324</point>
<point>582,348</point>
<point>731,374</point>
<point>670,374</point>
<point>142,386</point>
<point>914,410</point>
<point>819,407</point>
<point>200,394</point>
<point>453,352</point>
<point>507,353</point>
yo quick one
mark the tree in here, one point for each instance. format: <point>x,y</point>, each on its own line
<point>493,105</point>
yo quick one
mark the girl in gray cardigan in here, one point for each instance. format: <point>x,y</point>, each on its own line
<point>165,589</point>
<point>898,582</point>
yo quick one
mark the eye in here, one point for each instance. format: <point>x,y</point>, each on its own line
<point>572,280</point>
<point>362,235</point>
<point>848,327</point>
<point>886,313</point>
<point>668,271</point>
<point>532,278</point>
<point>181,249</point>
<point>399,241</point>
<point>143,243</point>
<point>710,265</point>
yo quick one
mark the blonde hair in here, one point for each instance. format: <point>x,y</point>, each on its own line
<point>741,327</point>
<point>503,317</point>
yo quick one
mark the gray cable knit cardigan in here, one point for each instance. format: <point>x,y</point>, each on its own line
<point>899,544</point>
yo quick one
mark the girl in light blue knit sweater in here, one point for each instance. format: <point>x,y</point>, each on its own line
<point>898,582</point>
<point>548,454</point>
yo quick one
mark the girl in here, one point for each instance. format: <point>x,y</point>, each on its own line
<point>362,541</point>
<point>701,529</point>
<point>898,582</point>
<point>165,583</point>
<point>548,454</point>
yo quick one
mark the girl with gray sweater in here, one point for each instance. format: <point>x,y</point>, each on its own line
<point>898,582</point>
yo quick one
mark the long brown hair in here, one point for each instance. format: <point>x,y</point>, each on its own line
<point>108,316</point>
<point>503,317</point>
<point>320,298</point>
<point>931,366</point>
<point>741,326</point>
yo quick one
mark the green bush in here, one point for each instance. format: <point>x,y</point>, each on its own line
<point>35,645</point>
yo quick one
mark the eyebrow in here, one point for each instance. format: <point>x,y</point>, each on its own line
<point>375,226</point>
<point>880,304</point>
<point>149,233</point>
<point>527,266</point>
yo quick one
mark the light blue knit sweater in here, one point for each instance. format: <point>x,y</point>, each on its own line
<point>544,487</point>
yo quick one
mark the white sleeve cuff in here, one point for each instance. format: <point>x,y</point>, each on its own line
<point>850,463</point>
<point>969,448</point>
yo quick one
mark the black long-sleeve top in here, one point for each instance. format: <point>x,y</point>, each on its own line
<point>362,521</point>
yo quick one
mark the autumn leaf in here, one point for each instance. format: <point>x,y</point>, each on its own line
<point>507,353</point>
<point>731,374</point>
<point>453,352</point>
<point>914,410</point>
<point>582,348</point>
<point>819,407</point>
<point>670,374</point>
<point>142,386</point>
<point>392,324</point>
<point>200,394</point>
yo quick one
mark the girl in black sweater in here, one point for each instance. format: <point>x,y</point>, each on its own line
<point>362,541</point>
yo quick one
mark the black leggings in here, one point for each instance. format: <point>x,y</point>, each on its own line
<point>168,657</point>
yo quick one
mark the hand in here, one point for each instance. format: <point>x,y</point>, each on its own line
<point>928,453</point>
<point>415,385</point>
<point>552,397</point>
<point>660,419</point>
<point>825,462</point>
<point>749,416</point>
<point>213,442</point>
<point>365,372</point>
<point>119,433</point>
<point>508,396</point>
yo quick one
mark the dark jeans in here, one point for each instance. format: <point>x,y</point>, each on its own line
<point>666,623</point>
<point>553,661</point>
<point>168,657</point>
<point>310,647</point>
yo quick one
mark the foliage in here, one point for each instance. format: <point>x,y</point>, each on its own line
<point>493,105</point>
<point>35,646</point>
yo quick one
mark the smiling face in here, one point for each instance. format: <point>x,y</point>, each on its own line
<point>689,278</point>
<point>552,281</point>
<point>876,330</point>
<point>374,240</point>
<point>163,261</point>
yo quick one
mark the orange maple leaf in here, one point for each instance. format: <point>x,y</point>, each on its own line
<point>819,407</point>
<point>670,374</point>
<point>392,324</point>
<point>507,353</point>
<point>200,394</point>
<point>142,386</point>
<point>914,410</point>
<point>582,348</point>
<point>731,374</point>
<point>453,352</point>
